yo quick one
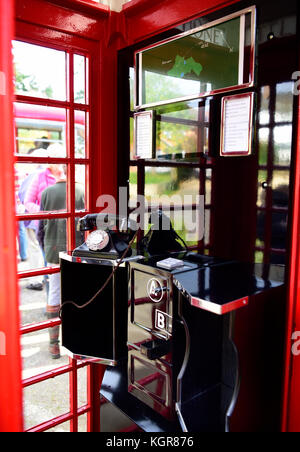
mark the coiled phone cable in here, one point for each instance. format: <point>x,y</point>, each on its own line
<point>106,282</point>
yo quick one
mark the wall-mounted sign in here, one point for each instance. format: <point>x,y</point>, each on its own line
<point>237,125</point>
<point>213,58</point>
<point>144,135</point>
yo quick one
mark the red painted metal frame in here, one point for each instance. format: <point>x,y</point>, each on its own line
<point>70,44</point>
<point>10,358</point>
<point>291,390</point>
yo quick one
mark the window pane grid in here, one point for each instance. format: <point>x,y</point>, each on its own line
<point>274,148</point>
<point>74,107</point>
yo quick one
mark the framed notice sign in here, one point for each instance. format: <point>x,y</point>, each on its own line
<point>236,125</point>
<point>144,135</point>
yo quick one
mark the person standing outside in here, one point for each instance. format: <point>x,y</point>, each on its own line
<point>41,180</point>
<point>53,239</point>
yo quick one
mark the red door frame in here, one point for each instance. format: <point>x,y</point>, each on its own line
<point>291,389</point>
<point>36,34</point>
<point>10,358</point>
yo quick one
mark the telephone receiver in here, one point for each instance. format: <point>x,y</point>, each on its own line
<point>109,238</point>
<point>161,238</point>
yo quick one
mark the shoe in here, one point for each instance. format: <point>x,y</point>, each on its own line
<point>35,286</point>
<point>54,351</point>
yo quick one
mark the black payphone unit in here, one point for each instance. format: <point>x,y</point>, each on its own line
<point>169,327</point>
<point>94,289</point>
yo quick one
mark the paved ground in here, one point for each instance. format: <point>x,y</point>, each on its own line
<point>48,399</point>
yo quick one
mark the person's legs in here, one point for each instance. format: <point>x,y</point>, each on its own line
<point>53,308</point>
<point>36,259</point>
<point>23,243</point>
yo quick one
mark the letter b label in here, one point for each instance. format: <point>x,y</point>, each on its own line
<point>160,320</point>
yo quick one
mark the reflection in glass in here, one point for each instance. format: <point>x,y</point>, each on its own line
<point>263,142</point>
<point>37,127</point>
<point>132,186</point>
<point>80,134</point>
<point>282,145</point>
<point>279,259</point>
<point>264,114</point>
<point>280,187</point>
<point>182,130</point>
<point>175,139</point>
<point>39,71</point>
<point>198,63</point>
<point>261,191</point>
<point>207,226</point>
<point>208,185</point>
<point>279,227</point>
<point>180,183</point>
<point>260,228</point>
<point>79,79</point>
<point>280,193</point>
<point>284,102</point>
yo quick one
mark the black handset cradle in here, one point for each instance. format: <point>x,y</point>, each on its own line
<point>110,236</point>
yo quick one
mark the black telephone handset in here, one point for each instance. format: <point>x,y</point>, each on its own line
<point>161,238</point>
<point>110,236</point>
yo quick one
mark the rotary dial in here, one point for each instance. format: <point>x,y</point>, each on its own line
<point>97,240</point>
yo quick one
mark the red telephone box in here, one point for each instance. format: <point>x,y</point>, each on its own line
<point>246,196</point>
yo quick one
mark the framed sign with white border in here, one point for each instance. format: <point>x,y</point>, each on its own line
<point>237,125</point>
<point>144,131</point>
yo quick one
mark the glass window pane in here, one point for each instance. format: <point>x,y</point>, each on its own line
<point>207,226</point>
<point>33,303</point>
<point>175,139</point>
<point>37,127</point>
<point>278,259</point>
<point>282,145</point>
<point>284,102</point>
<point>194,64</point>
<point>264,114</point>
<point>208,186</point>
<point>176,185</point>
<point>261,191</point>
<point>80,134</point>
<point>79,79</point>
<point>260,228</point>
<point>280,186</point>
<point>80,187</point>
<point>61,428</point>
<point>46,400</point>
<point>39,243</point>
<point>39,71</point>
<point>53,238</point>
<point>31,181</point>
<point>279,228</point>
<point>133,186</point>
<point>263,143</point>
